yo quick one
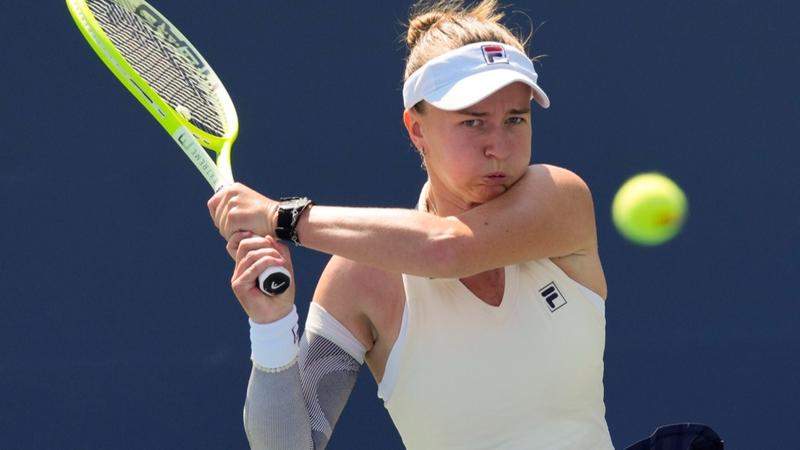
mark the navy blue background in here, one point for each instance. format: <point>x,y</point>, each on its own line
<point>117,325</point>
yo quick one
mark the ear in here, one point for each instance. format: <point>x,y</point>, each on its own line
<point>411,119</point>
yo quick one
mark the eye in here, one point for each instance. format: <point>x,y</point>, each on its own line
<point>516,120</point>
<point>472,123</point>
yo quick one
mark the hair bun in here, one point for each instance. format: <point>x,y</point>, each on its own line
<point>420,25</point>
<point>438,26</point>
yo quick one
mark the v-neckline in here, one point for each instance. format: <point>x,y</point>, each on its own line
<point>483,303</point>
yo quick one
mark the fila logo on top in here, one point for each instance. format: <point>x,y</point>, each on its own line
<point>494,54</point>
<point>553,297</point>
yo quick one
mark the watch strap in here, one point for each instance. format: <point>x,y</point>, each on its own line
<point>289,211</point>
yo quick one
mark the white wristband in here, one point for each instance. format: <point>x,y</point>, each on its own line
<point>274,345</point>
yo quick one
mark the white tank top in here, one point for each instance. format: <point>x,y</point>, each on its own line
<point>527,374</point>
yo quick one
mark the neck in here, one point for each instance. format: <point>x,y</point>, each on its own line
<point>442,203</point>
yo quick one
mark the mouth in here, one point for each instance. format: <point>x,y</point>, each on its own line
<point>495,178</point>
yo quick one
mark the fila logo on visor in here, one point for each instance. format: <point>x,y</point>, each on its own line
<point>494,54</point>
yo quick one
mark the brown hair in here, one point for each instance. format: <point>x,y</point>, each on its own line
<point>436,27</point>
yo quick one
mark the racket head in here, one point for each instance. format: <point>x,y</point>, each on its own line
<point>167,74</point>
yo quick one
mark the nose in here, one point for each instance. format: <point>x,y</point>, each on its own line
<point>496,144</point>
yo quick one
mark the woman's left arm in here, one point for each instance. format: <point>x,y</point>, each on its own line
<point>547,213</point>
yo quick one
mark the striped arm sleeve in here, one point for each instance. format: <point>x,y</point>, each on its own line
<point>298,408</point>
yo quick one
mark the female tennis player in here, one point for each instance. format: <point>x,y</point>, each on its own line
<point>480,314</point>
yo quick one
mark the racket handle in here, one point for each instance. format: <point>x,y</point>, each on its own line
<point>275,280</point>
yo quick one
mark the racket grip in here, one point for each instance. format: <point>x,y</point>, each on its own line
<point>275,280</point>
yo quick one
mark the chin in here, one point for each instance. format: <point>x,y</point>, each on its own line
<point>490,193</point>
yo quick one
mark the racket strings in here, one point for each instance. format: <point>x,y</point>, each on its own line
<point>166,67</point>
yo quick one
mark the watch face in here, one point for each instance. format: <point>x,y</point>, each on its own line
<point>294,202</point>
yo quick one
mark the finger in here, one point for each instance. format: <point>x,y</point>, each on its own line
<point>255,244</point>
<point>218,204</point>
<point>233,244</point>
<point>245,263</point>
<point>229,202</point>
<point>249,244</point>
<point>282,249</point>
<point>223,217</point>
<point>244,279</point>
<point>213,204</point>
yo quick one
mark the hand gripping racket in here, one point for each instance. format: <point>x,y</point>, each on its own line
<point>164,71</point>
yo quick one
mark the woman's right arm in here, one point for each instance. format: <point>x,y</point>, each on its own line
<point>295,395</point>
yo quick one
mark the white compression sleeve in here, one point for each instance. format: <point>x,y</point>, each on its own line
<point>322,323</point>
<point>275,415</point>
<point>298,408</point>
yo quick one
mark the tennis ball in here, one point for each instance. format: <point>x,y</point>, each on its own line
<point>649,209</point>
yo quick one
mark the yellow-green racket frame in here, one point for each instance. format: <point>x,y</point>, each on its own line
<point>193,141</point>
<point>189,138</point>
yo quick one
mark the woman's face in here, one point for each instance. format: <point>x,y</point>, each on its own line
<point>476,154</point>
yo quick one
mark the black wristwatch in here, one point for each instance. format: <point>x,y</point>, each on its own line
<point>289,211</point>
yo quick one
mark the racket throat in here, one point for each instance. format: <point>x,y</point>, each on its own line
<point>198,155</point>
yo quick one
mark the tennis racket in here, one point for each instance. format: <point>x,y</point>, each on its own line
<point>164,71</point>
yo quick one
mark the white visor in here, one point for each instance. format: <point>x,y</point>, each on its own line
<point>463,77</point>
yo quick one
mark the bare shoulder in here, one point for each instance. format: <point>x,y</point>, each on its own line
<point>363,298</point>
<point>583,265</point>
<point>546,176</point>
<point>558,192</point>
